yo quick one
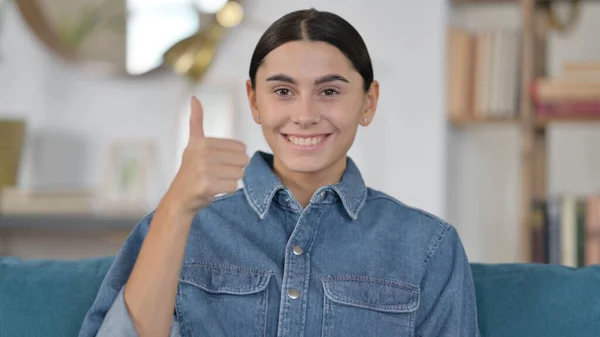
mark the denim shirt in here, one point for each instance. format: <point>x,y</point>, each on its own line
<point>354,262</point>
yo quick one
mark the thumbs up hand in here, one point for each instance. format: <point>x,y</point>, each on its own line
<point>210,166</point>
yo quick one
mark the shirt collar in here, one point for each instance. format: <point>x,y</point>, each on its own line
<point>261,184</point>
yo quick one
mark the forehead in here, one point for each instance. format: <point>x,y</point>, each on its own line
<point>306,59</point>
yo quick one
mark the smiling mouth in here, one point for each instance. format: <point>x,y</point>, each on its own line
<point>306,141</point>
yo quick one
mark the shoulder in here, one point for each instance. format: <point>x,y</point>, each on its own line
<point>228,198</point>
<point>232,208</point>
<point>227,202</point>
<point>425,229</point>
<point>388,204</point>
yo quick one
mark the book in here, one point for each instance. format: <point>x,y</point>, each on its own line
<point>459,65</point>
<point>539,232</point>
<point>554,219</point>
<point>568,231</point>
<point>565,230</point>
<point>581,70</point>
<point>482,73</point>
<point>575,93</point>
<point>561,89</point>
<point>592,230</point>
<point>567,108</point>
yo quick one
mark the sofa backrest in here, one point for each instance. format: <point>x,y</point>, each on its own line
<point>47,297</point>
<point>537,300</point>
<point>51,297</point>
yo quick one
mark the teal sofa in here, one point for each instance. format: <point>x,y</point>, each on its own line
<point>50,298</point>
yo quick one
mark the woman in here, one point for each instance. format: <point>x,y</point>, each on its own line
<point>305,248</point>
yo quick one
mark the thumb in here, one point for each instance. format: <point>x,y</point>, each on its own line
<point>196,120</point>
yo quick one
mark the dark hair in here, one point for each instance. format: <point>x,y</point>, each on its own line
<point>314,25</point>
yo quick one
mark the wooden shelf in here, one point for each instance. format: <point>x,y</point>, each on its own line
<point>540,122</point>
<point>83,222</point>
<point>471,121</point>
<point>544,121</point>
<point>485,2</point>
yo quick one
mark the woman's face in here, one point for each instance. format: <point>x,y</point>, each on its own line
<point>309,101</point>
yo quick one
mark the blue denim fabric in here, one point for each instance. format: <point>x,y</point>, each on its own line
<point>354,262</point>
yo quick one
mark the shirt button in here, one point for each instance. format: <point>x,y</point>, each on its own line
<point>293,293</point>
<point>298,250</point>
<point>323,194</point>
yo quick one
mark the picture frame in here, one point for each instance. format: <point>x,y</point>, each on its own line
<point>125,184</point>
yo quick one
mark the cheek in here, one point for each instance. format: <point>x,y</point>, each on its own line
<point>345,116</point>
<point>272,122</point>
<point>270,110</point>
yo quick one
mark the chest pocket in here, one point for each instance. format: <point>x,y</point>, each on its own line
<point>216,300</point>
<point>366,306</point>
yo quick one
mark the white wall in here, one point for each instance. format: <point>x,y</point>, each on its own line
<point>483,171</point>
<point>402,152</point>
<point>72,116</point>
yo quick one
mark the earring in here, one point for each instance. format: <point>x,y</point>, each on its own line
<point>365,119</point>
<point>258,118</point>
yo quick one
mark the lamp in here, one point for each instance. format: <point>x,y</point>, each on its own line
<point>193,55</point>
<point>210,6</point>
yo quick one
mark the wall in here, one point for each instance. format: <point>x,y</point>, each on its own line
<point>402,152</point>
<point>483,161</point>
<point>73,115</point>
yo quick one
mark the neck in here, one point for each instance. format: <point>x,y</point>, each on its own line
<point>304,185</point>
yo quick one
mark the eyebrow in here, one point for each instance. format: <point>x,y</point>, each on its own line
<point>320,80</point>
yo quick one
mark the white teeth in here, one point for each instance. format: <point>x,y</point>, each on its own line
<point>305,141</point>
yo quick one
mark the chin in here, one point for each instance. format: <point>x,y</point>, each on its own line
<point>303,164</point>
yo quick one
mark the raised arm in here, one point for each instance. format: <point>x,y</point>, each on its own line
<point>138,295</point>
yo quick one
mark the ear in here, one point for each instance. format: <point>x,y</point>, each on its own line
<point>370,106</point>
<point>252,101</point>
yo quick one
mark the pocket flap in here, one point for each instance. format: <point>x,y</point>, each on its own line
<point>371,293</point>
<point>218,279</point>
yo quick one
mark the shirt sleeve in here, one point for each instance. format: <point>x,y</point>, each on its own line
<point>108,315</point>
<point>117,321</point>
<point>448,305</point>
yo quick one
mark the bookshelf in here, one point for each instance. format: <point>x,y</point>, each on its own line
<point>532,126</point>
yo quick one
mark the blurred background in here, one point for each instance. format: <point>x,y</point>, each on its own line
<point>489,115</point>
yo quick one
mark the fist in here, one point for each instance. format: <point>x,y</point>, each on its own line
<point>210,166</point>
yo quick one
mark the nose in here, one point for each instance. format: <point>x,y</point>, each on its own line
<point>305,114</point>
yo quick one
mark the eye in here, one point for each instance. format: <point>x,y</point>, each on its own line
<point>283,92</point>
<point>330,92</point>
